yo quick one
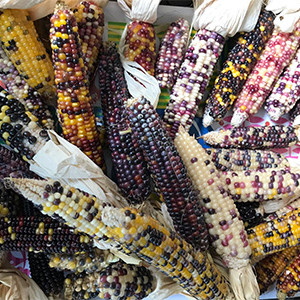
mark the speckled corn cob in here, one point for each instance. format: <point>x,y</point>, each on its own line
<point>225,227</point>
<point>74,101</point>
<point>89,262</point>
<point>90,20</point>
<point>241,60</point>
<point>286,91</point>
<point>140,45</point>
<point>168,172</point>
<point>269,269</point>
<point>49,280</point>
<point>279,51</point>
<point>40,234</point>
<point>268,137</point>
<point>134,232</point>
<point>20,89</point>
<point>295,112</point>
<point>242,160</point>
<point>171,53</point>
<point>275,235</point>
<point>19,128</point>
<point>289,282</point>
<point>116,281</point>
<point>24,48</point>
<point>194,74</point>
<point>251,213</point>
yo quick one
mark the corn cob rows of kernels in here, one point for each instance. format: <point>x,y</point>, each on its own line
<point>116,281</point>
<point>289,281</point>
<point>266,137</point>
<point>295,112</point>
<point>286,91</point>
<point>171,53</point>
<point>89,262</point>
<point>50,281</point>
<point>90,20</point>
<point>251,213</point>
<point>140,45</point>
<point>269,269</point>
<point>242,160</point>
<point>134,233</point>
<point>20,89</point>
<point>226,230</point>
<point>241,60</point>
<point>24,48</point>
<point>275,235</point>
<point>10,203</point>
<point>40,234</point>
<point>74,101</point>
<point>194,74</point>
<point>279,51</point>
<point>263,184</point>
<point>168,172</point>
<point>19,128</point>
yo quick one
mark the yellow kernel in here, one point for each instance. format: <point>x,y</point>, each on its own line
<point>250,47</point>
<point>243,107</point>
<point>13,236</point>
<point>262,28</point>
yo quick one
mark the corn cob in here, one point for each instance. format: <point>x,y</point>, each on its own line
<point>241,60</point>
<point>19,128</point>
<point>20,89</point>
<point>49,280</point>
<point>242,160</point>
<point>268,137</point>
<point>134,232</point>
<point>90,20</point>
<point>116,281</point>
<point>40,234</point>
<point>89,262</point>
<point>270,268</point>
<point>140,45</point>
<point>286,91</point>
<point>10,203</point>
<point>251,213</point>
<point>279,51</point>
<point>74,101</point>
<point>275,235</point>
<point>24,48</point>
<point>194,74</point>
<point>171,53</point>
<point>225,227</point>
<point>295,112</point>
<point>168,172</point>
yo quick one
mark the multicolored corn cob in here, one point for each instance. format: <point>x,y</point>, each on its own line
<point>24,48</point>
<point>278,52</point>
<point>134,233</point>
<point>168,172</point>
<point>194,74</point>
<point>225,227</point>
<point>263,185</point>
<point>20,89</point>
<point>295,112</point>
<point>50,281</point>
<point>140,45</point>
<point>19,128</point>
<point>275,235</point>
<point>89,262</point>
<point>251,213</point>
<point>116,281</point>
<point>74,101</point>
<point>286,91</point>
<point>270,268</point>
<point>90,20</point>
<point>40,234</point>
<point>242,160</point>
<point>239,64</point>
<point>266,137</point>
<point>171,53</point>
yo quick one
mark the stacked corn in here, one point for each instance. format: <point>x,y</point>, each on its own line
<point>279,51</point>
<point>74,101</point>
<point>22,45</point>
<point>134,233</point>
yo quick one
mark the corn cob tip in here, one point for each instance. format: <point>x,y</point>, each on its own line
<point>207,120</point>
<point>281,295</point>
<point>274,113</point>
<point>238,118</point>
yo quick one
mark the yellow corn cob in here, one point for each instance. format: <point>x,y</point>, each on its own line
<point>24,48</point>
<point>221,215</point>
<point>132,232</point>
